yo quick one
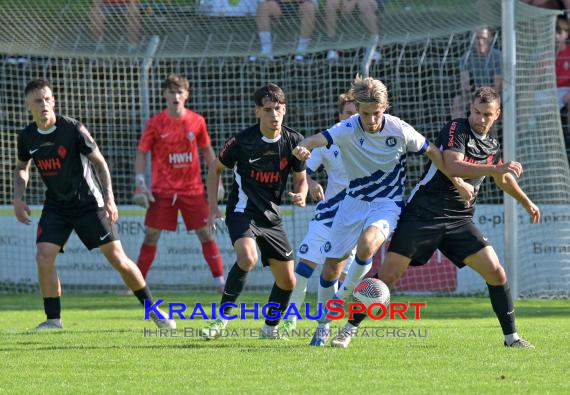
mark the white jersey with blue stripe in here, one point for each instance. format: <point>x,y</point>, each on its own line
<point>375,163</point>
<point>337,181</point>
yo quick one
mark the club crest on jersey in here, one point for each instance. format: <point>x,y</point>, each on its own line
<point>283,163</point>
<point>335,152</point>
<point>361,140</point>
<point>304,248</point>
<point>62,152</point>
<point>327,247</point>
<point>390,141</point>
<point>190,136</point>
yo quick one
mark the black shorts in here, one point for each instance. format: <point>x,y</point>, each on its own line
<point>418,238</point>
<point>92,227</point>
<point>271,239</point>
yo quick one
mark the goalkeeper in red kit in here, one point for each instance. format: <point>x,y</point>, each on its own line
<point>172,138</point>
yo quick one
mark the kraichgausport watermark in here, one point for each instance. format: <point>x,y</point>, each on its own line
<point>245,333</point>
<point>334,309</point>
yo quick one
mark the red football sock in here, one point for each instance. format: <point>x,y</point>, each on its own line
<point>146,257</point>
<point>213,257</point>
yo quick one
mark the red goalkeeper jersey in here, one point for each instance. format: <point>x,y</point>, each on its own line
<point>173,144</point>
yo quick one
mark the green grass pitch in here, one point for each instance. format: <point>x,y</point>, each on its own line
<point>102,350</point>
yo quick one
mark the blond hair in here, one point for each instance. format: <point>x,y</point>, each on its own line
<point>368,90</point>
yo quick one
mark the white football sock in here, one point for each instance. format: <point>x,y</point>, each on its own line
<point>510,339</point>
<point>298,295</point>
<point>355,274</point>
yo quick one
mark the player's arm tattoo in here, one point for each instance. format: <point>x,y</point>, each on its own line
<point>102,170</point>
<point>21,177</point>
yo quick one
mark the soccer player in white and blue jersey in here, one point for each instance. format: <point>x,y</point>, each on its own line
<point>309,251</point>
<point>374,147</point>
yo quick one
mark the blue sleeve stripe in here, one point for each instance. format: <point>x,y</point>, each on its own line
<point>424,147</point>
<point>328,137</point>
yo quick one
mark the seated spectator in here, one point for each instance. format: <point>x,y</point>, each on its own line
<point>276,8</point>
<point>551,4</point>
<point>367,9</point>
<point>103,10</point>
<point>479,66</point>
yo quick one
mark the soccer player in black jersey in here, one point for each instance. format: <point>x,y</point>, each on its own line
<point>79,197</point>
<point>261,158</point>
<point>436,217</point>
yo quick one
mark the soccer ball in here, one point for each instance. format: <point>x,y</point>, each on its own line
<point>372,290</point>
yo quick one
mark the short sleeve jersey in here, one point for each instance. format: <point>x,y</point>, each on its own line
<point>261,167</point>
<point>60,155</point>
<point>445,199</point>
<point>375,163</point>
<point>482,69</point>
<point>331,160</point>
<point>173,144</point>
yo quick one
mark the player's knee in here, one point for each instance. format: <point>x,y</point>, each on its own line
<point>498,276</point>
<point>288,283</point>
<point>204,234</point>
<point>151,236</point>
<point>44,259</point>
<point>364,251</point>
<point>118,260</point>
<point>331,270</point>
<point>247,261</point>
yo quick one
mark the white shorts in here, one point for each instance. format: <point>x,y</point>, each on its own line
<point>310,248</point>
<point>352,217</point>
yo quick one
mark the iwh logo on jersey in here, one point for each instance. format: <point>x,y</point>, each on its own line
<point>390,141</point>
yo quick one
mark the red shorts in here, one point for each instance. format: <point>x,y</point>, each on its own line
<point>163,213</point>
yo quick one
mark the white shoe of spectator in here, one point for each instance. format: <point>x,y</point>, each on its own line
<point>332,55</point>
<point>262,56</point>
<point>376,56</point>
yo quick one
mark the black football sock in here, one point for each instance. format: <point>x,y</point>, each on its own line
<point>144,294</point>
<point>280,297</point>
<point>502,303</point>
<point>357,318</point>
<point>52,307</point>
<point>235,284</point>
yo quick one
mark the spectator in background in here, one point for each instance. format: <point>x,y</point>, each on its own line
<point>276,8</point>
<point>563,73</point>
<point>480,66</point>
<point>550,4</point>
<point>116,10</point>
<point>368,16</point>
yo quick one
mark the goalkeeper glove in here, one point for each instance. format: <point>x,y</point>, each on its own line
<point>142,195</point>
